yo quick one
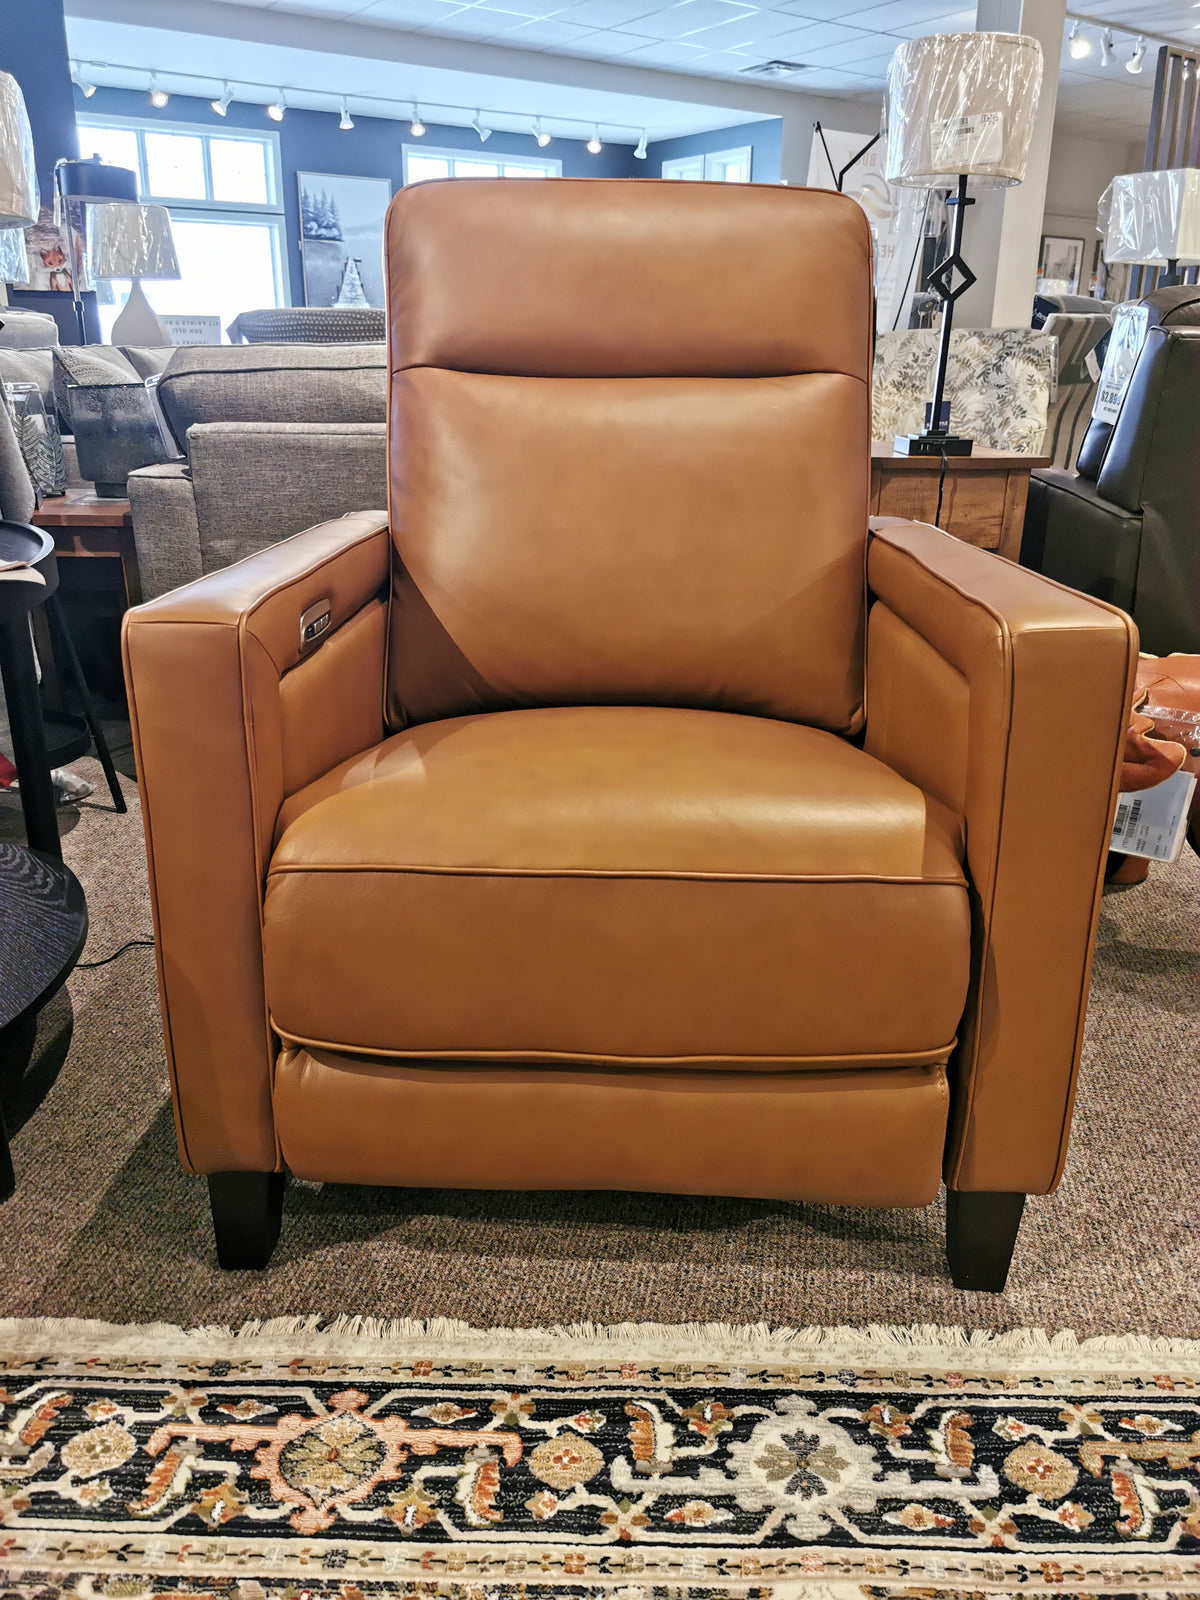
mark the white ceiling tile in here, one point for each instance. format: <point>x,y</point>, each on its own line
<point>611,43</point>
<point>757,26</point>
<point>545,34</point>
<point>469,23</point>
<point>409,13</point>
<point>666,53</point>
<point>863,54</point>
<point>675,21</point>
<point>606,13</point>
<point>887,14</point>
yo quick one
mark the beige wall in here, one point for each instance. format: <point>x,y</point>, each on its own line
<point>1080,171</point>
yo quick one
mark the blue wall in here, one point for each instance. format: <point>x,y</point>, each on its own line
<point>311,141</point>
<point>33,47</point>
<point>765,137</point>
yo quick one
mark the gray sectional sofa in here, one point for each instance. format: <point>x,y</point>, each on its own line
<point>275,439</point>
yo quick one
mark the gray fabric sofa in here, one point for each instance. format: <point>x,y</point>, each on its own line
<point>277,438</point>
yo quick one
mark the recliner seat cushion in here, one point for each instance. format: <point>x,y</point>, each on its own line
<point>618,885</point>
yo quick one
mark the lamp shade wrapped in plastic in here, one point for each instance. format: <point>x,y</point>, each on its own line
<point>962,103</point>
<point>1154,217</point>
<point>132,242</point>
<point>19,202</point>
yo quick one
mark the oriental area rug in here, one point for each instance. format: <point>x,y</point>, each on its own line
<point>291,1461</point>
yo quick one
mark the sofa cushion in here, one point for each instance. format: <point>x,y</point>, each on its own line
<point>310,325</point>
<point>27,330</point>
<point>92,366</point>
<point>30,366</point>
<point>273,383</point>
<point>147,360</point>
<point>618,884</point>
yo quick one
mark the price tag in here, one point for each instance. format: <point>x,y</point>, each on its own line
<point>1153,822</point>
<point>960,144</point>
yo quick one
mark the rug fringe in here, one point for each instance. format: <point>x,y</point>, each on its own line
<point>382,1337</point>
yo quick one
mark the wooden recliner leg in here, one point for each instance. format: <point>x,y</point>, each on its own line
<point>247,1208</point>
<point>981,1233</point>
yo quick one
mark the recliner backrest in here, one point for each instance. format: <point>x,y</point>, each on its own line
<point>628,447</point>
<point>1176,306</point>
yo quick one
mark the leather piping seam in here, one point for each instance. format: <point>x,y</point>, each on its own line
<point>1081,1002</point>
<point>299,868</point>
<point>881,1061</point>
<point>633,377</point>
<point>148,831</point>
<point>244,635</point>
<point>988,908</point>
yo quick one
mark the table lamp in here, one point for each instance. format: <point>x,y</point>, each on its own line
<point>134,242</point>
<point>18,182</point>
<point>959,106</point>
<point>87,183</point>
<point>1154,220</point>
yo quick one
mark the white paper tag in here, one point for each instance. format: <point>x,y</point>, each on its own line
<point>958,144</point>
<point>1153,822</point>
<point>1091,366</point>
<point>1124,346</point>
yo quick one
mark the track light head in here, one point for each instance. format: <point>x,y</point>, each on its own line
<point>416,127</point>
<point>1134,64</point>
<point>484,133</point>
<point>539,133</point>
<point>593,145</point>
<point>158,97</point>
<point>345,121</point>
<point>640,151</point>
<point>1106,47</point>
<point>223,102</point>
<point>277,107</point>
<point>1078,44</point>
<point>85,86</point>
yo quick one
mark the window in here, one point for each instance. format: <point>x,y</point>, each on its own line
<point>421,164</point>
<point>223,192</point>
<point>722,166</point>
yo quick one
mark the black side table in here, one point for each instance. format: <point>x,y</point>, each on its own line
<point>43,914</point>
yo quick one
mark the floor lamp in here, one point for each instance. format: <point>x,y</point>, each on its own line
<point>960,106</point>
<point>19,200</point>
<point>1154,220</point>
<point>87,183</point>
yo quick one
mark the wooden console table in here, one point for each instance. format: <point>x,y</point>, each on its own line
<point>85,528</point>
<point>983,497</point>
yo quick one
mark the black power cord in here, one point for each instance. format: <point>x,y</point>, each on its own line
<point>130,944</point>
<point>937,515</point>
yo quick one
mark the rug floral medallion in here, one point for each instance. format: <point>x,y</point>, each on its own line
<point>438,1463</point>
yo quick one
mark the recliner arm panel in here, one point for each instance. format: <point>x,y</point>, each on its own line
<point>230,717</point>
<point>1005,696</point>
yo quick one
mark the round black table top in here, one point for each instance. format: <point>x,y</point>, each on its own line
<point>43,925</point>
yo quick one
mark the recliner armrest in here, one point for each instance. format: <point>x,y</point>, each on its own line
<point>229,717</point>
<point>1005,696</point>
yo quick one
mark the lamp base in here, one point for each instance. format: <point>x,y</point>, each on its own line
<point>932,444</point>
<point>138,322</point>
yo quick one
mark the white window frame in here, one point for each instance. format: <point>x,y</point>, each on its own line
<point>192,209</point>
<point>696,168</point>
<point>551,167</point>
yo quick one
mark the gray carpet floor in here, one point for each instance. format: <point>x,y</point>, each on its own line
<point>106,1224</point>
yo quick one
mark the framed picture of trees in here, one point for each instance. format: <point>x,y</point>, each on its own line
<point>341,238</point>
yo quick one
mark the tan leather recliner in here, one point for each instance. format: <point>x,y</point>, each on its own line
<point>627,822</point>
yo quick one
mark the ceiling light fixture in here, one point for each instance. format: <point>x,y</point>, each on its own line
<point>277,107</point>
<point>1106,47</point>
<point>158,97</point>
<point>346,121</point>
<point>594,146</point>
<point>539,133</point>
<point>640,152</point>
<point>1078,44</point>
<point>416,127</point>
<point>1134,64</point>
<point>484,133</point>
<point>85,86</point>
<point>222,105</point>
